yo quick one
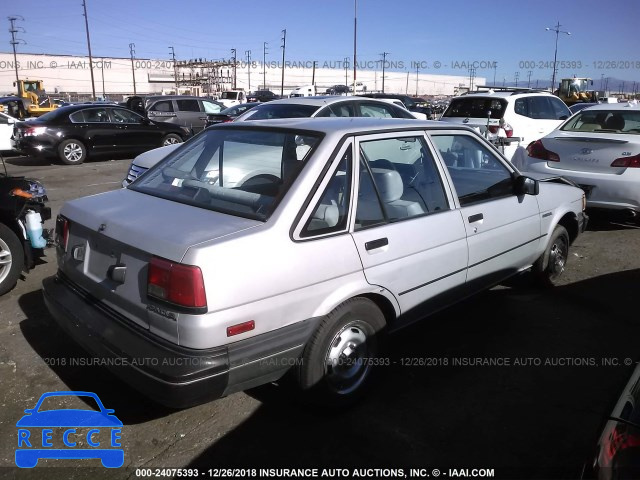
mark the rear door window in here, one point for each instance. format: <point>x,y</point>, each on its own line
<point>188,105</point>
<point>211,107</point>
<point>476,107</point>
<point>338,110</point>
<point>376,110</point>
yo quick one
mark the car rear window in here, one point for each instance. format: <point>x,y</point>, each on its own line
<point>243,172</point>
<point>268,112</point>
<point>475,107</point>
<point>604,121</point>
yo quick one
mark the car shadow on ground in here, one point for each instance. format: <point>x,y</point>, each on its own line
<point>74,366</point>
<point>608,221</point>
<point>431,409</point>
<point>32,161</point>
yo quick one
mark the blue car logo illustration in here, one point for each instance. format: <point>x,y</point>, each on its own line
<point>65,433</point>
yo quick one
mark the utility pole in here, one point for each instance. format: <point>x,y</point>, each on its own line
<point>406,89</point>
<point>495,70</point>
<point>529,78</point>
<point>248,53</point>
<point>384,60</point>
<point>555,54</point>
<point>346,70</point>
<point>517,75</point>
<point>313,74</point>
<point>264,66</point>
<point>15,41</point>
<point>601,80</point>
<point>175,68</point>
<point>417,79</point>
<point>104,95</point>
<point>233,52</point>
<point>355,36</point>
<point>132,51</point>
<point>86,24</point>
<point>283,46</point>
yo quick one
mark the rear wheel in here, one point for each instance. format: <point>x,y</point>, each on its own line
<point>551,265</point>
<point>171,139</point>
<point>11,259</point>
<point>339,360</point>
<point>72,152</point>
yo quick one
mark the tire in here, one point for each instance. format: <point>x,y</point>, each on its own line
<point>549,267</point>
<point>171,139</point>
<point>339,361</point>
<point>72,152</point>
<point>11,259</point>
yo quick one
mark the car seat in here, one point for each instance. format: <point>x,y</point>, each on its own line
<point>614,122</point>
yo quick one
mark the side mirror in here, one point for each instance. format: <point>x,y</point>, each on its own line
<point>526,186</point>
<point>11,121</point>
<point>146,121</point>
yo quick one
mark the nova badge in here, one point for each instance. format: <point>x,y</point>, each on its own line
<point>162,311</point>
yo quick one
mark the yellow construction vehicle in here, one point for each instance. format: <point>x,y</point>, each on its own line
<point>576,90</point>
<point>35,99</point>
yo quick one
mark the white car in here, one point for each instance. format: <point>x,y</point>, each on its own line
<point>300,107</point>
<point>598,149</point>
<point>6,132</point>
<point>207,281</point>
<point>508,113</point>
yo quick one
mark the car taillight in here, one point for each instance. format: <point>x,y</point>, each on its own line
<point>34,131</point>
<point>176,283</point>
<point>536,150</point>
<point>494,129</point>
<point>508,130</point>
<point>62,232</point>
<point>627,162</point>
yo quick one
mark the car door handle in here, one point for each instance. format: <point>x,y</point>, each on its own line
<point>373,244</point>
<point>476,218</point>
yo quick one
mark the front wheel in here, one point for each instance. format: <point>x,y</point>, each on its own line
<point>551,265</point>
<point>11,259</point>
<point>171,139</point>
<point>339,360</point>
<point>72,152</point>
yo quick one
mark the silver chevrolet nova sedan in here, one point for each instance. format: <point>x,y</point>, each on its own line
<point>258,249</point>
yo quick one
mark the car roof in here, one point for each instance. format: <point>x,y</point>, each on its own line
<point>346,125</point>
<point>504,94</point>
<point>615,106</point>
<point>82,106</point>
<point>320,100</point>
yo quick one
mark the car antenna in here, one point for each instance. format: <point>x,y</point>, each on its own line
<point>6,174</point>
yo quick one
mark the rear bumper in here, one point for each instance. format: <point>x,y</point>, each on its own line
<point>167,373</point>
<point>608,191</point>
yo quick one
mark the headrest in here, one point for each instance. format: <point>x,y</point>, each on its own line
<point>389,183</point>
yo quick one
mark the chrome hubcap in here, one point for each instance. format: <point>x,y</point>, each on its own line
<point>557,258</point>
<point>347,362</point>
<point>5,260</point>
<point>171,141</point>
<point>72,152</point>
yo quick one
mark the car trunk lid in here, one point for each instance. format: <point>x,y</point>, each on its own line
<point>589,153</point>
<point>112,238</point>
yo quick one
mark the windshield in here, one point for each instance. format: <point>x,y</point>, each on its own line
<point>281,110</point>
<point>604,121</point>
<point>229,95</point>
<point>242,172</point>
<point>476,107</point>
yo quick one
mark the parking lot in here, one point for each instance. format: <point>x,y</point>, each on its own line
<point>518,380</point>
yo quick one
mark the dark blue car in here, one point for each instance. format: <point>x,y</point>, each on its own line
<point>33,445</point>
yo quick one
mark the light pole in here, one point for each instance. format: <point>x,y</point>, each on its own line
<point>555,54</point>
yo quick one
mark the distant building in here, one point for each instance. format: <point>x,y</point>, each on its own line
<point>69,76</point>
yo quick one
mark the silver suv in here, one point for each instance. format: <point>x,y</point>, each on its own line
<point>508,113</point>
<point>257,248</point>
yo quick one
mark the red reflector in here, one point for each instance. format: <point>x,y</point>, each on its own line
<point>628,162</point>
<point>536,150</point>
<point>494,129</point>
<point>176,283</point>
<point>241,328</point>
